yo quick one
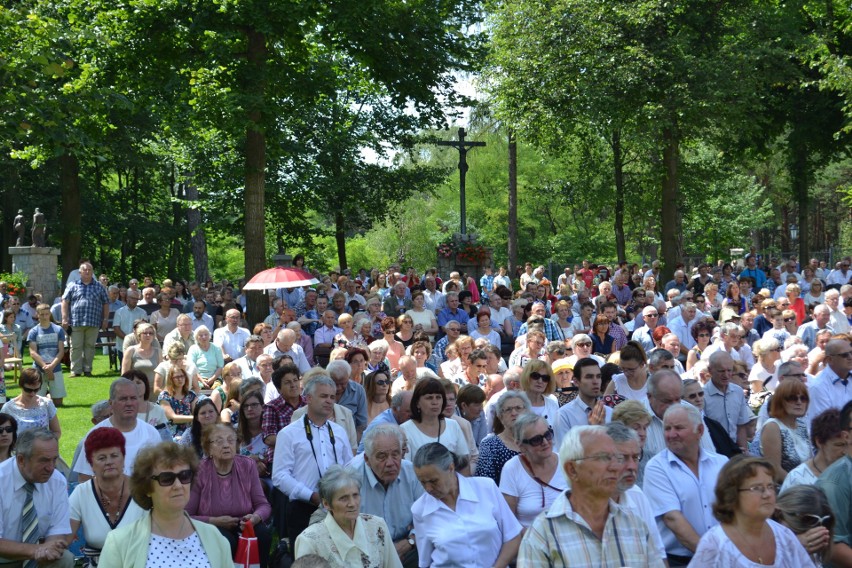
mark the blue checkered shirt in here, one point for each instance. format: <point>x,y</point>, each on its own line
<point>87,303</point>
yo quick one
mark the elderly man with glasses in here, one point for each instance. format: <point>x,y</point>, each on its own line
<point>832,387</point>
<point>584,524</point>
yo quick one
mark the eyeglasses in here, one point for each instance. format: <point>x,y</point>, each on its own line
<point>31,390</point>
<point>604,458</point>
<point>699,394</point>
<point>7,430</point>
<point>510,409</point>
<point>252,405</point>
<point>537,441</point>
<point>167,478</point>
<point>812,521</point>
<point>703,335</point>
<point>761,489</point>
<point>797,398</point>
<point>583,344</point>
<point>534,376</point>
<point>382,382</point>
<point>789,320</point>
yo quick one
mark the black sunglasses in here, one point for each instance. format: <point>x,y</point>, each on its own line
<point>536,441</point>
<point>534,376</point>
<point>31,390</point>
<point>167,478</point>
<point>7,430</point>
<point>382,382</point>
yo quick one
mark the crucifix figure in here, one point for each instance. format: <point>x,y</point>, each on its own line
<point>462,146</point>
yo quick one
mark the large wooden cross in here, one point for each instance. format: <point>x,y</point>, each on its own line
<point>462,146</point>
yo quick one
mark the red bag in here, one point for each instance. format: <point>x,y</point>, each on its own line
<point>248,550</point>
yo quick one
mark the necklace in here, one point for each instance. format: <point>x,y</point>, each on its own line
<point>816,467</point>
<point>746,542</point>
<point>163,533</point>
<point>106,502</point>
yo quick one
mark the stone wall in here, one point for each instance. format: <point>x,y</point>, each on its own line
<point>40,264</point>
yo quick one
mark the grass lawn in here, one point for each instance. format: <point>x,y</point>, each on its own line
<point>75,415</point>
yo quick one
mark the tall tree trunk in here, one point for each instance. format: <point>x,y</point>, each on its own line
<point>799,180</point>
<point>670,217</point>
<point>513,203</point>
<point>618,167</point>
<point>340,238</point>
<point>198,238</point>
<point>177,215</point>
<point>257,307</point>
<point>72,211</point>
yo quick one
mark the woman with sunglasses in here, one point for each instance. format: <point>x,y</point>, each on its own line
<point>746,535</point>
<point>377,385</point>
<point>532,480</point>
<point>103,503</point>
<point>29,409</point>
<point>805,511</point>
<point>178,401</point>
<point>166,535</point>
<point>783,438</point>
<point>702,333</point>
<point>762,377</point>
<point>538,384</point>
<point>8,436</point>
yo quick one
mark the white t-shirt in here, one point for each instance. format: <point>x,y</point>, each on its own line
<point>515,481</point>
<point>451,437</point>
<point>84,507</point>
<point>141,436</point>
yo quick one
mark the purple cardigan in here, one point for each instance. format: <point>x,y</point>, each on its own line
<point>209,496</point>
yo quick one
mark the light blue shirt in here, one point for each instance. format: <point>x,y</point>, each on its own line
<point>393,503</point>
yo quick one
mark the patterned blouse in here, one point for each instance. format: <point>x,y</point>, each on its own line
<point>181,406</point>
<point>371,547</point>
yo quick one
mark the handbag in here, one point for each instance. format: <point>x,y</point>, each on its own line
<point>248,549</point>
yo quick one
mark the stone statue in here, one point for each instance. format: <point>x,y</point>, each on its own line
<point>19,227</point>
<point>39,228</point>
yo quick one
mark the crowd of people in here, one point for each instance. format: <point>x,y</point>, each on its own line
<point>601,417</point>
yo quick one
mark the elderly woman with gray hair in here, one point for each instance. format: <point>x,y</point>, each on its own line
<point>347,537</point>
<point>498,448</point>
<point>460,521</point>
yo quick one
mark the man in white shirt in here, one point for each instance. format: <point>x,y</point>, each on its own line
<point>248,362</point>
<point>642,335</point>
<point>841,274</point>
<point>682,326</point>
<point>124,400</point>
<point>587,408</point>
<point>729,338</point>
<point>231,338</point>
<point>303,452</point>
<point>839,323</point>
<point>665,389</point>
<point>34,493</point>
<point>285,344</point>
<point>832,387</point>
<point>680,484</point>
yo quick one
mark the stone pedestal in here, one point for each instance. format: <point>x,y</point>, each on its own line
<point>40,264</point>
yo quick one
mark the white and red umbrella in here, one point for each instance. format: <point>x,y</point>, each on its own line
<point>280,277</point>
